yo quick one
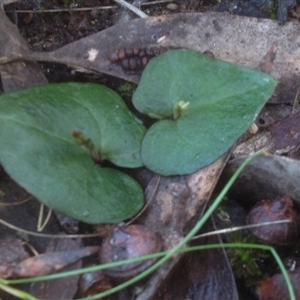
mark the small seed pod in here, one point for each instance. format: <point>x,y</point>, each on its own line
<point>282,234</point>
<point>125,243</point>
<point>135,59</point>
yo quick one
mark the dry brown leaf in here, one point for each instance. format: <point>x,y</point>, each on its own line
<point>177,203</point>
<point>48,263</point>
<point>16,75</point>
<point>211,31</point>
<point>62,288</point>
<point>202,274</point>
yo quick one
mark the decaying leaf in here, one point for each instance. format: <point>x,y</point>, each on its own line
<point>201,32</point>
<point>16,75</point>
<point>62,288</point>
<point>176,203</point>
<point>11,253</point>
<point>286,132</point>
<point>202,274</point>
<point>48,263</point>
<point>266,177</point>
<point>281,137</point>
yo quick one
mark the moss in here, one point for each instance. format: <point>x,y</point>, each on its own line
<point>246,262</point>
<point>126,89</point>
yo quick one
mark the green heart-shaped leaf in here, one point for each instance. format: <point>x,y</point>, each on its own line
<point>205,104</point>
<point>38,131</point>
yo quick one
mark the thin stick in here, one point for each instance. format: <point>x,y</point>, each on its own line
<point>134,9</point>
<point>16,203</point>
<point>238,228</point>
<point>58,10</point>
<point>49,236</point>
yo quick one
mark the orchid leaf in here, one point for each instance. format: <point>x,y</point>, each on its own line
<point>203,105</point>
<point>55,140</point>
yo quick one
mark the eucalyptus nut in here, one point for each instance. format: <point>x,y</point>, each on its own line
<point>281,208</point>
<point>125,243</point>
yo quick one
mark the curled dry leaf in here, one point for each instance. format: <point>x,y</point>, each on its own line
<point>47,263</point>
<point>11,252</point>
<point>62,288</point>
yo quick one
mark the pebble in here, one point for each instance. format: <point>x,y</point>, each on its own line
<point>172,6</point>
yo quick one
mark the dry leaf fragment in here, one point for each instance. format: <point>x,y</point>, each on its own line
<point>16,75</point>
<point>266,65</point>
<point>62,288</point>
<point>47,263</point>
<point>177,202</point>
<point>286,132</point>
<point>200,32</point>
<point>12,251</point>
